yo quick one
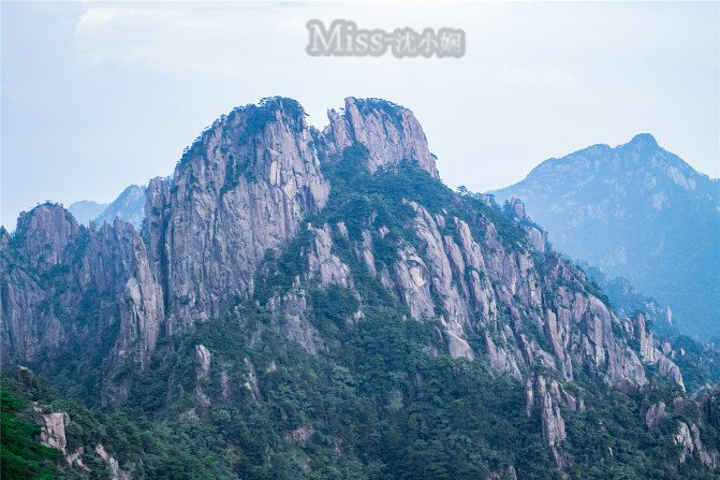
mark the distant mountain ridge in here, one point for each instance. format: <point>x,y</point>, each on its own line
<point>635,211</point>
<point>129,207</point>
<point>86,211</point>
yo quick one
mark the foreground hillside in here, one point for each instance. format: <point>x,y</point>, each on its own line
<point>306,304</point>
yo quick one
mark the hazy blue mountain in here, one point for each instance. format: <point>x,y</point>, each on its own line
<point>86,210</point>
<point>636,211</point>
<point>129,207</point>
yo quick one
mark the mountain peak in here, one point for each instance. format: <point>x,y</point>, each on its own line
<point>47,228</point>
<point>44,214</point>
<point>286,107</point>
<point>389,131</point>
<point>643,140</point>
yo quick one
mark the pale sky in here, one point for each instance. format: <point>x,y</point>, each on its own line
<point>97,96</point>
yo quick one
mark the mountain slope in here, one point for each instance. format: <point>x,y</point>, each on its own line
<point>700,363</point>
<point>319,305</point>
<point>639,212</point>
<point>129,207</point>
<point>626,299</point>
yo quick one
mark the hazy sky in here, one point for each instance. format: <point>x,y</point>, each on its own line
<point>96,96</point>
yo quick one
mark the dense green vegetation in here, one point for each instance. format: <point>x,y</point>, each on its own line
<point>700,364</point>
<point>21,454</point>
<point>378,405</point>
<point>380,399</point>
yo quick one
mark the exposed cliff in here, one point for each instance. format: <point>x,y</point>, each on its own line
<point>241,189</point>
<point>279,264</point>
<point>67,287</point>
<point>390,132</point>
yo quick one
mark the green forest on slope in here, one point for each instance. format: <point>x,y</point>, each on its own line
<point>382,399</point>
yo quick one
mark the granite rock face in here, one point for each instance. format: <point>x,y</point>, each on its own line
<point>248,187</point>
<point>390,132</point>
<point>655,414</point>
<point>688,439</point>
<point>324,267</point>
<point>52,428</point>
<point>65,285</point>
<point>241,189</point>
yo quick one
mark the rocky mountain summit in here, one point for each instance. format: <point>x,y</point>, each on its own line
<point>279,261</point>
<point>639,212</point>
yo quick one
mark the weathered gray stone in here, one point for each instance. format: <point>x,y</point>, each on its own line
<point>390,134</point>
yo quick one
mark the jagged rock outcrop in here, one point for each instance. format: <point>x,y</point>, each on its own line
<point>116,473</point>
<point>241,189</point>
<point>650,350</point>
<point>390,132</point>
<point>508,474</point>
<point>301,435</point>
<point>500,358</point>
<point>626,301</point>
<point>668,369</point>
<point>52,427</point>
<point>655,414</point>
<point>413,283</point>
<point>647,348</point>
<point>289,317</point>
<point>324,267</point>
<point>252,383</point>
<point>64,284</point>
<point>688,437</point>
<point>203,358</point>
<point>52,434</point>
<point>553,424</point>
<point>203,363</point>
